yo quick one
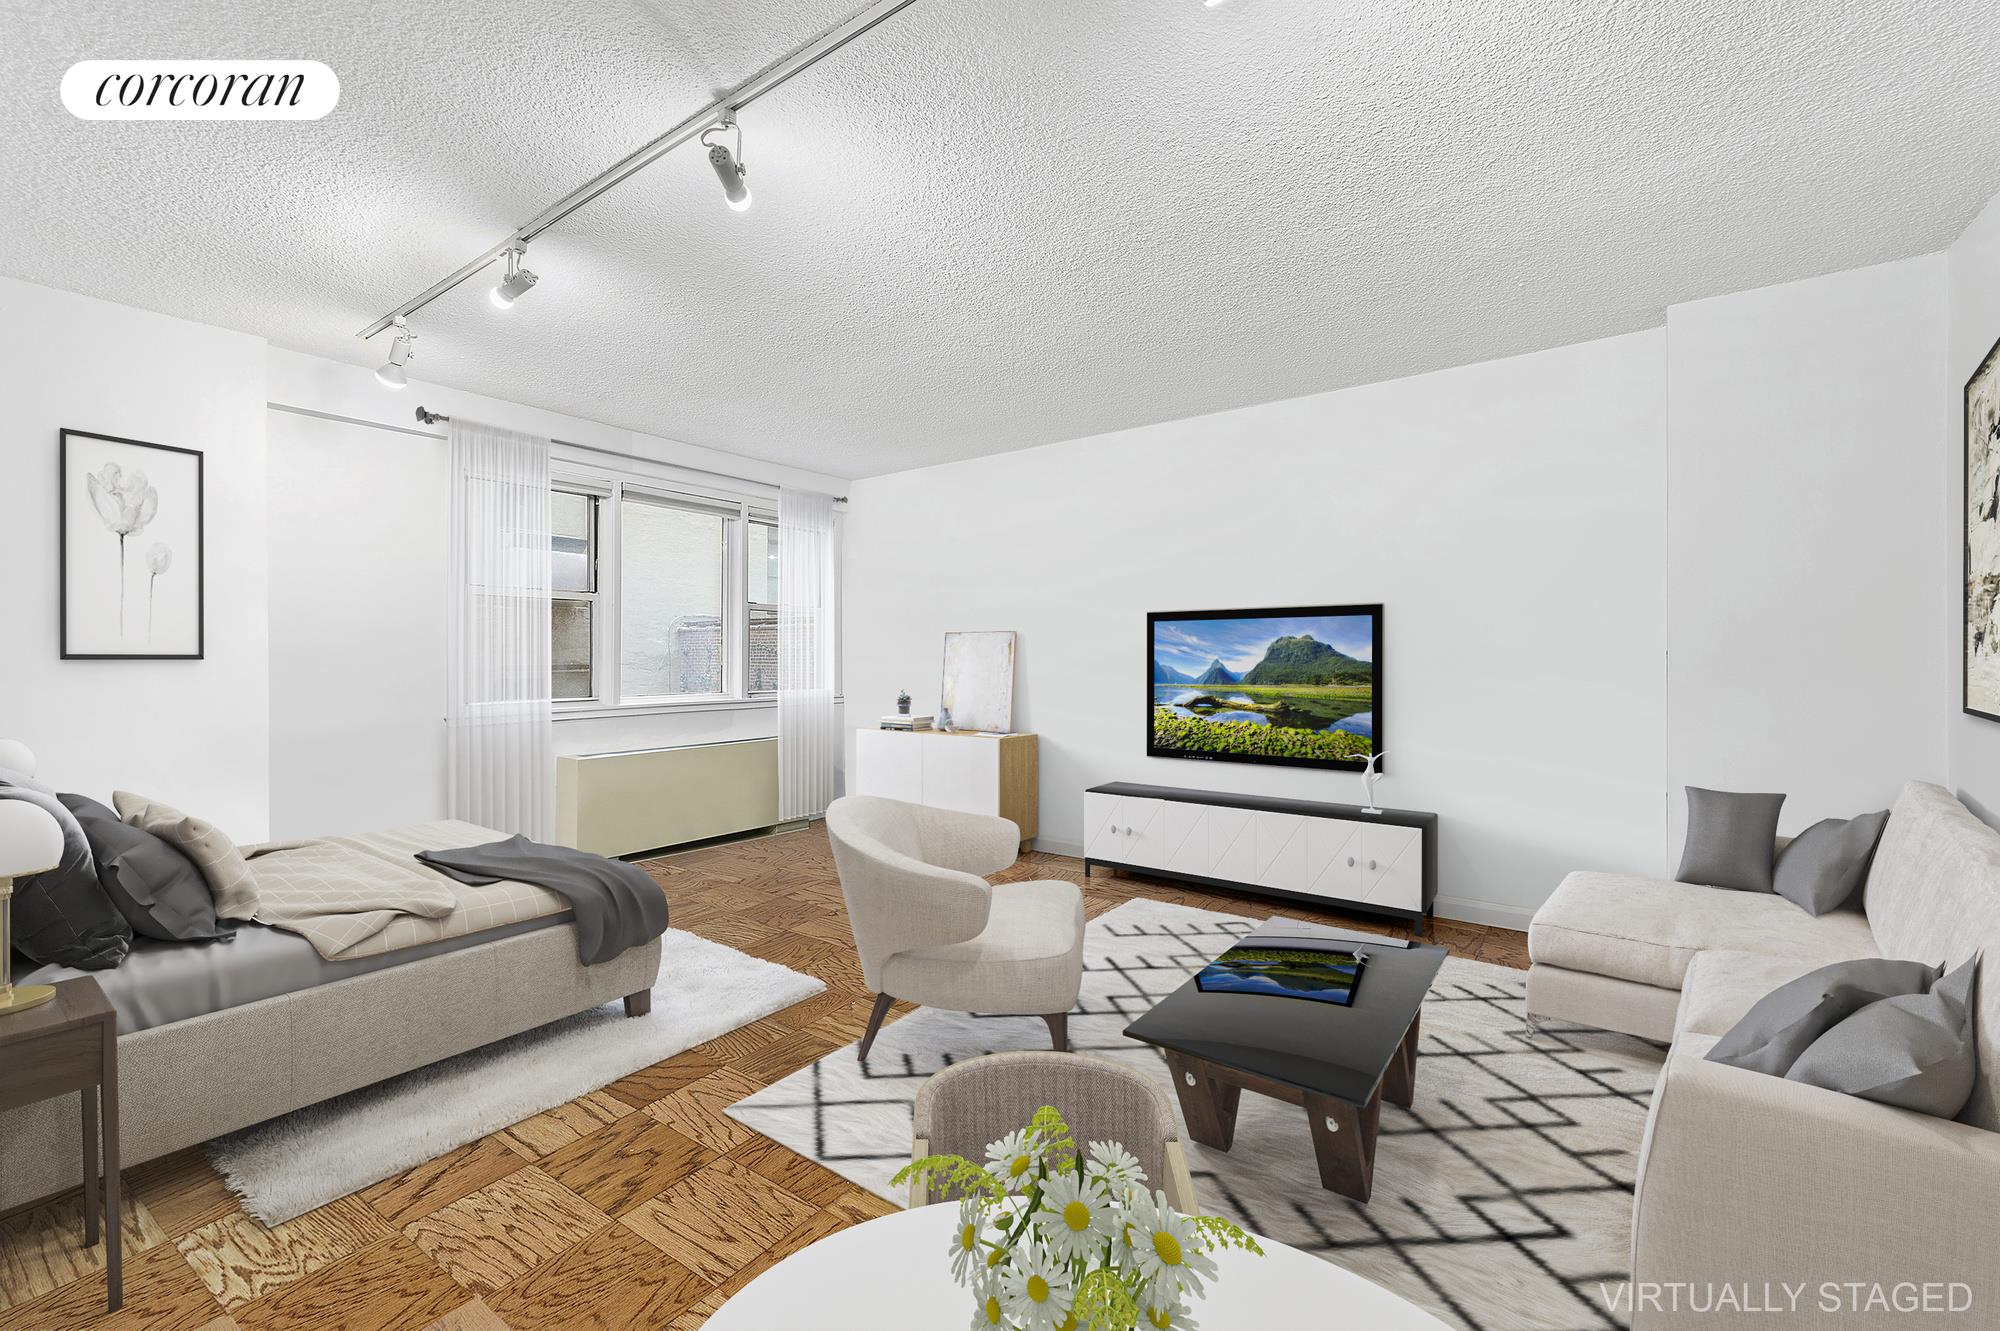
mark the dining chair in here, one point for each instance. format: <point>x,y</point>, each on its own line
<point>932,931</point>
<point>966,1106</point>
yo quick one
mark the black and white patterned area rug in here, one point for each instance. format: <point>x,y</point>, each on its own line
<point>1502,1198</point>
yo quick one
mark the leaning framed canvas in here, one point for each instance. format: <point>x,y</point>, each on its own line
<point>978,687</point>
<point>129,549</point>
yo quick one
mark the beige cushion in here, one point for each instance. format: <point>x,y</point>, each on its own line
<point>230,879</point>
<point>1647,930</point>
<point>1028,958</point>
<point>1722,986</point>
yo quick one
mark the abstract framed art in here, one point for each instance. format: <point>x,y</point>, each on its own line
<point>130,554</point>
<point>1981,629</point>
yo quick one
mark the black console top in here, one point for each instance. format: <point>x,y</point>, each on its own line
<point>1269,804</point>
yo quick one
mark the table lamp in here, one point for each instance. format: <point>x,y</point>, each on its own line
<point>31,841</point>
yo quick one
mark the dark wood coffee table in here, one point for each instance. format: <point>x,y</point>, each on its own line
<point>1338,1062</point>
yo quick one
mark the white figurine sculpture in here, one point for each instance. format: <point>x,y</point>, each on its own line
<point>1368,775</point>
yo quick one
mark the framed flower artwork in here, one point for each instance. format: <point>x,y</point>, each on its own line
<point>130,549</point>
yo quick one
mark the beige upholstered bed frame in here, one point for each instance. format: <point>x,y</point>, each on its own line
<point>188,1081</point>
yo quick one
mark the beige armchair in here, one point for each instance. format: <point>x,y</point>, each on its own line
<point>932,931</point>
<point>981,1100</point>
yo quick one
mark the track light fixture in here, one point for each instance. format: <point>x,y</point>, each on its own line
<point>729,168</point>
<point>392,375</point>
<point>517,281</point>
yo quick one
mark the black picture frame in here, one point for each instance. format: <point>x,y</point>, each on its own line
<point>1990,364</point>
<point>62,549</point>
<point>1376,743</point>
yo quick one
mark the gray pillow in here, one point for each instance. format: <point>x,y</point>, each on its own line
<point>1824,866</point>
<point>156,888</point>
<point>1731,839</point>
<point>1914,1051</point>
<point>1784,1022</point>
<point>63,917</point>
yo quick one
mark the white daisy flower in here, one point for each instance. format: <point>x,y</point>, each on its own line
<point>1166,1248</point>
<point>987,1311</point>
<point>1113,1166</point>
<point>1075,1216</point>
<point>1169,1316</point>
<point>1036,1290</point>
<point>1013,1158</point>
<point>967,1242</point>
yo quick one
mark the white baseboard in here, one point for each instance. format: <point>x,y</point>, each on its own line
<point>1471,911</point>
<point>1495,913</point>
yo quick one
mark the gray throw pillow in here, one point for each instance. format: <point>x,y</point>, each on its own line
<point>1786,1021</point>
<point>1824,866</point>
<point>1731,839</point>
<point>155,887</point>
<point>63,917</point>
<point>1914,1051</point>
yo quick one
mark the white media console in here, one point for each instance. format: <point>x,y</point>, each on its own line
<point>1295,850</point>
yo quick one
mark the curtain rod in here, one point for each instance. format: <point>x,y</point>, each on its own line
<point>428,417</point>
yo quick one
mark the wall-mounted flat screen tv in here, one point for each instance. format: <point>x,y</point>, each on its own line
<point>1296,686</point>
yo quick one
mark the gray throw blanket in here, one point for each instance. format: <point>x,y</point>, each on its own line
<point>617,905</point>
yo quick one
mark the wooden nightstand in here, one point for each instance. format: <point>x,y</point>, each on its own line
<point>71,1044</point>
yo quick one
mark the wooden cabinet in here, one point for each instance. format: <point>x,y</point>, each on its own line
<point>990,774</point>
<point>1294,849</point>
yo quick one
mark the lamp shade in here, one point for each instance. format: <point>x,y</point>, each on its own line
<point>31,840</point>
<point>17,757</point>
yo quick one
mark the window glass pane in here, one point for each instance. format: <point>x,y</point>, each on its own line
<point>763,563</point>
<point>572,560</point>
<point>671,581</point>
<point>569,640</point>
<point>763,664</point>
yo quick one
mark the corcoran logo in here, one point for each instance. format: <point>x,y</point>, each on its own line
<point>200,89</point>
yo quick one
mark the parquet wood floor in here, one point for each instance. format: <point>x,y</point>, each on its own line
<point>637,1205</point>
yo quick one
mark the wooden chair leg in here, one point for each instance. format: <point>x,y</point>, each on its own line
<point>639,1004</point>
<point>883,1002</point>
<point>1058,1030</point>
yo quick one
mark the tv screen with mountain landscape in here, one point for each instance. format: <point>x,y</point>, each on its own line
<point>1267,686</point>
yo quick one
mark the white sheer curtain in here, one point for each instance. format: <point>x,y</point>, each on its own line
<point>501,753</point>
<point>807,738</point>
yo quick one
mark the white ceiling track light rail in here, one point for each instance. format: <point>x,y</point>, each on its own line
<point>717,116</point>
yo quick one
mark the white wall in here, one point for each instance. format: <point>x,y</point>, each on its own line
<point>193,733</point>
<point>1509,515</point>
<point>1803,498</point>
<point>358,560</point>
<point>1973,283</point>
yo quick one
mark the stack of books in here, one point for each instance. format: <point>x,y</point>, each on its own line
<point>900,722</point>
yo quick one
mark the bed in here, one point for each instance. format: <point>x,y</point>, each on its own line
<point>214,1037</point>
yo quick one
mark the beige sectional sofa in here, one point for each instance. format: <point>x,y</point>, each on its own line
<point>1751,1187</point>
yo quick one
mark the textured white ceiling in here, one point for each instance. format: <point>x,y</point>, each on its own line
<point>998,223</point>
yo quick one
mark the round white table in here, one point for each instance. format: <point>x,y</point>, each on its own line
<point>895,1273</point>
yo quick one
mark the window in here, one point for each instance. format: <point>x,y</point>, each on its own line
<point>659,597</point>
<point>673,570</point>
<point>573,593</point>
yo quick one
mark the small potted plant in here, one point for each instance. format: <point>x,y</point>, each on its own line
<point>1053,1239</point>
<point>903,702</point>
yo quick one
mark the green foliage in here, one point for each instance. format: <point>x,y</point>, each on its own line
<point>1304,659</point>
<point>1058,1147</point>
<point>1220,1233</point>
<point>1104,1302</point>
<point>951,1176</point>
<point>1198,735</point>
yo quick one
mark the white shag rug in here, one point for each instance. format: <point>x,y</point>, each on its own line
<point>1502,1197</point>
<point>295,1163</point>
